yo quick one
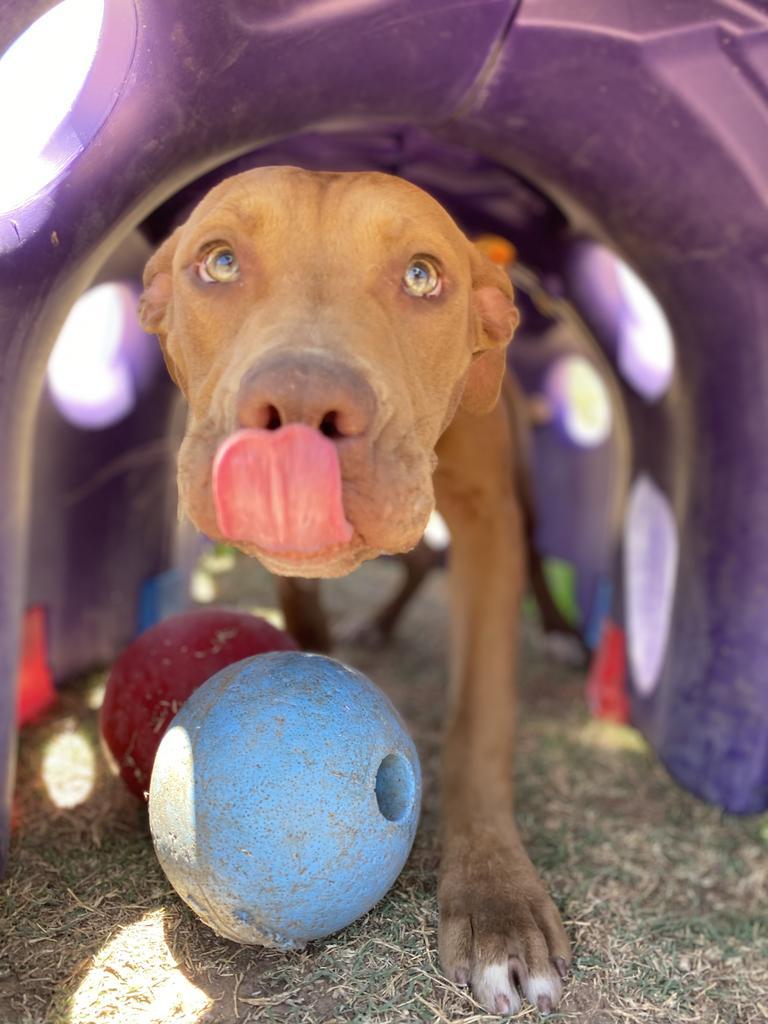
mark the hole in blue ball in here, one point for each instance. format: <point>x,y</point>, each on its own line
<point>395,787</point>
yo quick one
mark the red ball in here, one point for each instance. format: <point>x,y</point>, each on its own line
<point>161,668</point>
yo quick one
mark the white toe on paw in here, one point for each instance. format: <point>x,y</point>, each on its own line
<point>493,989</point>
<point>543,990</point>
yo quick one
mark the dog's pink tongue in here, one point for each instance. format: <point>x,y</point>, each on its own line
<point>280,490</point>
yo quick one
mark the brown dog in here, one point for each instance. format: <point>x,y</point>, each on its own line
<point>341,342</point>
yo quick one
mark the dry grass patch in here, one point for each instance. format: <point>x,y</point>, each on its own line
<point>664,897</point>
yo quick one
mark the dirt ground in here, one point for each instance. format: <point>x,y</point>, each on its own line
<point>664,897</point>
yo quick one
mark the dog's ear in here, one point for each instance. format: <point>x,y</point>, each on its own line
<point>493,298</point>
<point>155,302</point>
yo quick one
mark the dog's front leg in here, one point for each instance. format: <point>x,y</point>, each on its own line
<point>302,607</point>
<point>499,929</point>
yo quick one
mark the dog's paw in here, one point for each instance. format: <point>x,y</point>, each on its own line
<point>500,933</point>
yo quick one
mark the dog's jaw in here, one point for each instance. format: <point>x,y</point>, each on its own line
<point>328,564</point>
<point>387,508</point>
<point>196,503</point>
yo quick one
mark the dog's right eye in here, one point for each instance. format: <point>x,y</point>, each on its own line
<point>219,266</point>
<point>422,278</point>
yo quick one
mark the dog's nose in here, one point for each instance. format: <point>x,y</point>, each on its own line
<point>318,391</point>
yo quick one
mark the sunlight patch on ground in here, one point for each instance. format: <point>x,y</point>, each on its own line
<point>137,974</point>
<point>612,736</point>
<point>69,769</point>
<point>218,559</point>
<point>201,587</point>
<point>272,615</point>
<point>94,696</point>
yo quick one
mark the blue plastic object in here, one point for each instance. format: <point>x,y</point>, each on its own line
<point>284,799</point>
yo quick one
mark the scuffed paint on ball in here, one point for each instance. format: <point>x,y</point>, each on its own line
<point>285,799</point>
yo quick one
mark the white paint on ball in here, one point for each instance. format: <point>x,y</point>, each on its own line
<point>172,812</point>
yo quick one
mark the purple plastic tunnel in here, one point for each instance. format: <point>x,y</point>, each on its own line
<point>641,127</point>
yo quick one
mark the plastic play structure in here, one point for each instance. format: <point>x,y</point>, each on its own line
<point>598,135</point>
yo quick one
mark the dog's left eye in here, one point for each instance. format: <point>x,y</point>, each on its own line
<point>422,278</point>
<point>219,266</point>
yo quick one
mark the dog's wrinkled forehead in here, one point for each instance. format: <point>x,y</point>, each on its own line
<point>357,260</point>
<point>290,202</point>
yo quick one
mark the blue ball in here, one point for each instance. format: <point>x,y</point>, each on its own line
<point>284,799</point>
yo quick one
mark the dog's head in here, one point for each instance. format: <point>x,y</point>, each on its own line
<point>324,329</point>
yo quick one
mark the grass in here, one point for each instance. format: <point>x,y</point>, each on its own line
<point>664,897</point>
